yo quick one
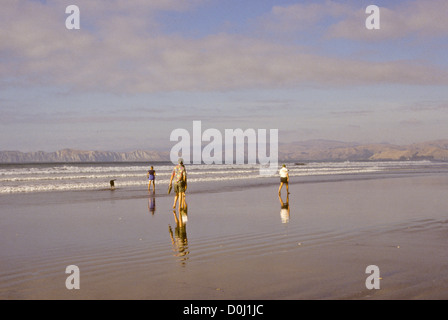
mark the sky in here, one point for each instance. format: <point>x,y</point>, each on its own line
<point>136,70</point>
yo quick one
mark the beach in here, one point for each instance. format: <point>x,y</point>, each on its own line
<point>238,242</point>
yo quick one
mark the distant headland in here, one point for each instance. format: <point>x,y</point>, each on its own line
<point>312,150</point>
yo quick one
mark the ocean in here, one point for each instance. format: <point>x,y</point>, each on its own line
<point>51,177</point>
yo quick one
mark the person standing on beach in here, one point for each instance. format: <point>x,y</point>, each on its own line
<point>284,179</point>
<point>151,175</point>
<point>179,175</point>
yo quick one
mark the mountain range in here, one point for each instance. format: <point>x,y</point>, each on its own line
<point>342,151</point>
<point>313,150</point>
<point>71,155</point>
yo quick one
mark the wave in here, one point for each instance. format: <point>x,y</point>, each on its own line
<point>41,178</point>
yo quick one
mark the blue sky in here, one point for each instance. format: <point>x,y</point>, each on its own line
<point>137,70</point>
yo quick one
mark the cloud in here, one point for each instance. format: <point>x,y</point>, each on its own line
<point>413,122</point>
<point>351,113</point>
<point>422,19</point>
<point>330,19</point>
<point>120,49</point>
<point>301,17</point>
<point>426,106</point>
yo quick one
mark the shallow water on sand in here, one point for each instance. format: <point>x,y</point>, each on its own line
<point>238,242</point>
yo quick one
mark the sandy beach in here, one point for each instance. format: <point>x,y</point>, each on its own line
<point>236,244</point>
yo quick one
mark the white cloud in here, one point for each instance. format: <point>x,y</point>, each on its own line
<point>119,49</point>
<point>421,19</point>
<point>300,17</point>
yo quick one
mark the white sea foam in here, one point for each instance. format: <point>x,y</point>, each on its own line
<point>41,178</point>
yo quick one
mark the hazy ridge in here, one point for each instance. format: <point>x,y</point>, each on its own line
<point>317,150</point>
<point>70,155</point>
<point>335,150</point>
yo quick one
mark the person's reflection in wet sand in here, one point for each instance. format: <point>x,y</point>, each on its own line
<point>284,211</point>
<point>179,236</point>
<point>152,205</point>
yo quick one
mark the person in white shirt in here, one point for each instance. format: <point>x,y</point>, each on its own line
<point>284,179</point>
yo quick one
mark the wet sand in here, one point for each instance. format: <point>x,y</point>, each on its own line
<point>235,244</point>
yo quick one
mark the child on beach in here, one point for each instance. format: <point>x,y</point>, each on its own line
<point>151,175</point>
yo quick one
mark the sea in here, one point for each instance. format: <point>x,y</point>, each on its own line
<point>131,176</point>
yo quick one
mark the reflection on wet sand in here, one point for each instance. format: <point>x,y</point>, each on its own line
<point>152,205</point>
<point>179,236</point>
<point>284,211</point>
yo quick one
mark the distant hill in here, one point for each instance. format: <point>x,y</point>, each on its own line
<point>70,155</point>
<point>298,151</point>
<point>336,151</point>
